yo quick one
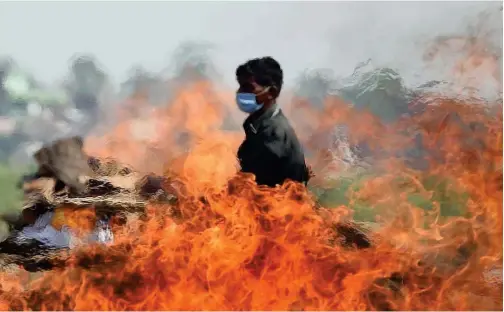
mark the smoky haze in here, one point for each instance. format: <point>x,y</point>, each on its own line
<point>130,44</point>
<point>42,36</point>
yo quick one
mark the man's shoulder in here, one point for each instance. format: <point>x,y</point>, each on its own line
<point>279,126</point>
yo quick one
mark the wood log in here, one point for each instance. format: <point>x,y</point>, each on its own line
<point>66,161</point>
<point>67,176</point>
<point>352,234</point>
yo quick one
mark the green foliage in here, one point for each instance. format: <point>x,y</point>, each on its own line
<point>339,195</point>
<point>10,195</point>
<point>452,201</point>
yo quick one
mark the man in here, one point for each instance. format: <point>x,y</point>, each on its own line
<point>271,149</point>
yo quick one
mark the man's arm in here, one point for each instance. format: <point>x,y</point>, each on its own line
<point>261,156</point>
<point>287,165</point>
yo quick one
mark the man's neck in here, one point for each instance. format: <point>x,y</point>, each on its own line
<point>254,121</point>
<point>262,111</point>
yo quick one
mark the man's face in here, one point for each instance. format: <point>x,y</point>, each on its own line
<point>263,94</point>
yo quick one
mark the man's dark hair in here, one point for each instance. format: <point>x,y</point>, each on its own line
<point>265,70</point>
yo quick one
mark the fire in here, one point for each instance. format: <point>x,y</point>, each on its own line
<point>80,220</point>
<point>194,116</point>
<point>233,245</point>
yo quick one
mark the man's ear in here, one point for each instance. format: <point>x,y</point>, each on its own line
<point>273,92</point>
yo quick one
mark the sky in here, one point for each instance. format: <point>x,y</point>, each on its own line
<point>42,36</point>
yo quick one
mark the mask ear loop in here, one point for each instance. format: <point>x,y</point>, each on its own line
<point>273,90</point>
<point>266,90</point>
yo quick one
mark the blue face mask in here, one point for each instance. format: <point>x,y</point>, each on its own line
<point>247,102</point>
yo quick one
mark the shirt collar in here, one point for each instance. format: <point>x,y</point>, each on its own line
<point>253,122</point>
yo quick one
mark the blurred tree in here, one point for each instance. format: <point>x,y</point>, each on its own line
<point>380,90</point>
<point>18,88</point>
<point>314,86</point>
<point>4,70</point>
<point>142,83</point>
<point>85,83</point>
<point>192,62</point>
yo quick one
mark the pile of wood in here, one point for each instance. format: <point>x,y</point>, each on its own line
<point>67,176</point>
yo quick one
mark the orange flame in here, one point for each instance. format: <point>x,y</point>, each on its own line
<point>236,246</point>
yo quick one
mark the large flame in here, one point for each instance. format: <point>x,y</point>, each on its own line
<point>235,246</point>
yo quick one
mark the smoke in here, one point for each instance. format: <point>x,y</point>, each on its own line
<point>332,47</point>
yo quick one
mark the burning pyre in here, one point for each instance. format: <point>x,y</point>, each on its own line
<point>227,244</point>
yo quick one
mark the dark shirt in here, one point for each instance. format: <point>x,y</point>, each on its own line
<point>271,149</point>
